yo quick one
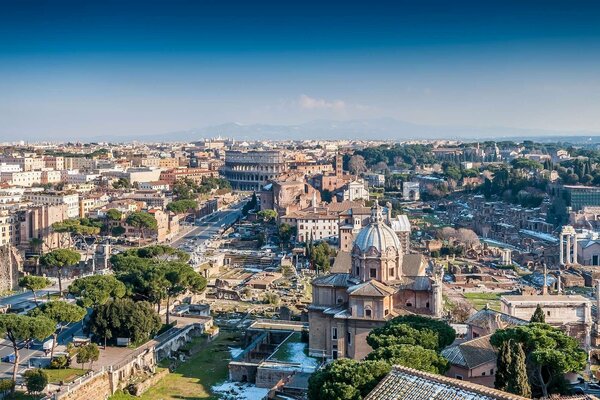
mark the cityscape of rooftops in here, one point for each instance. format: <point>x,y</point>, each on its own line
<point>247,200</point>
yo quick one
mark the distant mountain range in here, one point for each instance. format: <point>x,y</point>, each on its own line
<point>368,129</point>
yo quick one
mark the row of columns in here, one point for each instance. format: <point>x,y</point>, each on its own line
<point>568,247</point>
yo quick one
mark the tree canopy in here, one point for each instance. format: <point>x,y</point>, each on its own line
<point>550,354</point>
<point>17,328</point>
<point>414,356</point>
<point>346,379</point>
<point>97,289</point>
<point>413,330</point>
<point>59,259</point>
<point>34,283</point>
<point>125,318</point>
<point>114,215</point>
<point>182,206</point>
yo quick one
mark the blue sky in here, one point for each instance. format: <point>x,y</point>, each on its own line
<point>84,68</point>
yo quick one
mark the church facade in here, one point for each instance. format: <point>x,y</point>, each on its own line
<point>379,283</point>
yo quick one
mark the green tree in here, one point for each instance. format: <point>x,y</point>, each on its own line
<point>503,365</point>
<point>35,380</point>
<point>6,386</point>
<point>251,205</point>
<point>117,231</point>
<point>95,290</point>
<point>18,328</point>
<point>550,354</point>
<point>346,379</point>
<point>285,233</point>
<point>320,256</point>
<point>122,183</point>
<point>142,221</point>
<point>518,382</point>
<point>34,283</point>
<point>88,353</point>
<point>114,215</point>
<point>182,206</point>
<point>267,215</point>
<point>412,356</point>
<point>538,315</point>
<point>180,278</point>
<point>60,259</point>
<point>125,318</point>
<point>61,313</point>
<point>426,332</point>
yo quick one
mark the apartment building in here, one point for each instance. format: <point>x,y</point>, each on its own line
<point>195,174</point>
<point>22,179</point>
<point>56,198</point>
<point>7,228</point>
<point>51,177</point>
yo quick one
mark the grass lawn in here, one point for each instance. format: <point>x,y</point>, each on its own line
<point>64,375</point>
<point>194,378</point>
<point>479,300</point>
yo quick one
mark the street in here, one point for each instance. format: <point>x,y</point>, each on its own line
<point>195,242</point>
<point>208,229</point>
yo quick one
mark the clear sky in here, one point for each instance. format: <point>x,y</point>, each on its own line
<point>86,68</point>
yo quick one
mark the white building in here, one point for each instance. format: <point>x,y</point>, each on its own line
<point>23,179</point>
<point>70,199</point>
<point>10,167</point>
<point>355,190</point>
<point>571,313</point>
<point>318,226</point>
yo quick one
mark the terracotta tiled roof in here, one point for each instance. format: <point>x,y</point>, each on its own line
<point>472,353</point>
<point>337,280</point>
<point>371,288</point>
<point>487,317</point>
<point>404,383</point>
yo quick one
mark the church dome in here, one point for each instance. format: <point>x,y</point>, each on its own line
<point>377,234</point>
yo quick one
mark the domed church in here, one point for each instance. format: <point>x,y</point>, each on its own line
<point>378,282</point>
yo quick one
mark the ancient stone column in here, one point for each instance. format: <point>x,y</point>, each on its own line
<point>562,249</point>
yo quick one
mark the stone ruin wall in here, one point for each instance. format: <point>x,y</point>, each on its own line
<point>11,263</point>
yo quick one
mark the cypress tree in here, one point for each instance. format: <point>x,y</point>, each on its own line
<point>503,365</point>
<point>538,315</point>
<point>518,382</point>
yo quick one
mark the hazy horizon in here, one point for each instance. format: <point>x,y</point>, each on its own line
<point>91,69</point>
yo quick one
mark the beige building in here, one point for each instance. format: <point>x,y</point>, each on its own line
<point>22,179</point>
<point>8,229</point>
<point>54,198</point>
<point>36,223</point>
<point>473,361</point>
<point>380,282</point>
<point>570,313</point>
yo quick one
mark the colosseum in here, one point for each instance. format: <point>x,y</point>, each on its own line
<point>250,170</point>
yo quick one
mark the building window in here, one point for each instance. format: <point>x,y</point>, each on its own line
<point>368,313</point>
<point>357,271</point>
<point>334,333</point>
<point>373,273</point>
<point>386,312</point>
<point>483,373</point>
<point>548,313</point>
<point>349,338</point>
<point>408,304</point>
<point>391,272</point>
<point>459,377</point>
<point>492,371</point>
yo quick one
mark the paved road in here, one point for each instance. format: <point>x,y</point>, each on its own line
<point>194,241</point>
<point>208,228</point>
